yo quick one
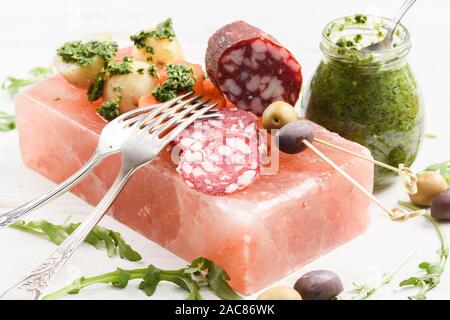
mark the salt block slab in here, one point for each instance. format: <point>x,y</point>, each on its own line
<point>258,235</point>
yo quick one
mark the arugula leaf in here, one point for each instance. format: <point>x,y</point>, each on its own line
<point>364,291</point>
<point>116,278</point>
<point>92,237</point>
<point>7,121</point>
<point>56,233</point>
<point>125,251</point>
<point>431,272</point>
<point>98,237</point>
<point>186,283</point>
<point>76,286</point>
<point>150,280</point>
<point>215,278</point>
<point>13,85</point>
<point>123,277</point>
<point>443,168</point>
<point>424,265</point>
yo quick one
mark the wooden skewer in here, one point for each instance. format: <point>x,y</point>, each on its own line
<point>410,179</point>
<point>396,214</point>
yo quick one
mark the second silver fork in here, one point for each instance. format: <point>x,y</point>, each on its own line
<point>110,142</point>
<point>141,146</point>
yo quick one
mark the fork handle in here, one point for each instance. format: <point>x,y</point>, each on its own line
<point>11,216</point>
<point>33,284</point>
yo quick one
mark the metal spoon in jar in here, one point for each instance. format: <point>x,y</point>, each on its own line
<point>387,41</point>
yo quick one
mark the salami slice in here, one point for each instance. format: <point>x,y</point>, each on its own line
<point>251,68</point>
<point>220,156</point>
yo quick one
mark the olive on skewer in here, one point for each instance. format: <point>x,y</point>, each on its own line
<point>297,136</point>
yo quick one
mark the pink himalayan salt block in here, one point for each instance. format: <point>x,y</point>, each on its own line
<point>275,226</point>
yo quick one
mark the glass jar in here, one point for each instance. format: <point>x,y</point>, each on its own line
<point>370,98</point>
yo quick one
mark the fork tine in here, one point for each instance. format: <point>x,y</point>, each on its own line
<point>132,115</point>
<point>211,115</point>
<point>177,117</point>
<point>152,122</point>
<point>187,122</point>
<point>208,115</point>
<point>147,117</point>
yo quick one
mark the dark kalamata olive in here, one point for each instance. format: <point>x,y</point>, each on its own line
<point>440,207</point>
<point>291,136</point>
<point>319,285</point>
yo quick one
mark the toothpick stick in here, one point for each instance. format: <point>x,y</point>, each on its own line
<point>396,214</point>
<point>409,178</point>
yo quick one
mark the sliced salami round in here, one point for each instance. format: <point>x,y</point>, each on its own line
<point>251,68</point>
<point>220,156</point>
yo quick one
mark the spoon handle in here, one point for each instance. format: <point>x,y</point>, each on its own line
<point>402,11</point>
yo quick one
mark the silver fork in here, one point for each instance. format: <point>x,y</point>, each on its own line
<point>110,142</point>
<point>145,141</point>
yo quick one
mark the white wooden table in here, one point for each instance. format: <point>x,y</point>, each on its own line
<point>31,30</point>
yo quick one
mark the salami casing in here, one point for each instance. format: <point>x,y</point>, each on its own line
<point>251,68</point>
<point>220,156</point>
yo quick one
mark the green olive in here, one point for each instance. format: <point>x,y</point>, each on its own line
<point>429,185</point>
<point>280,293</point>
<point>278,114</point>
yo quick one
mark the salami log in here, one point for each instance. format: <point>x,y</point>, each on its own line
<point>251,68</point>
<point>220,156</point>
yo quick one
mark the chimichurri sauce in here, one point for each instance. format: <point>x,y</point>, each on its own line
<point>379,107</point>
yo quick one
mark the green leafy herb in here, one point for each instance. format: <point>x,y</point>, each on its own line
<point>109,110</point>
<point>150,280</point>
<point>95,91</point>
<point>180,77</point>
<point>140,39</point>
<point>430,136</point>
<point>432,271</point>
<point>7,121</point>
<point>121,68</point>
<point>200,273</point>
<point>164,30</point>
<point>443,168</point>
<point>123,278</point>
<point>13,85</point>
<point>125,250</point>
<point>116,278</point>
<point>216,277</point>
<point>343,43</point>
<point>81,53</point>
<point>358,38</point>
<point>367,290</point>
<point>153,70</point>
<point>99,237</point>
<point>360,18</point>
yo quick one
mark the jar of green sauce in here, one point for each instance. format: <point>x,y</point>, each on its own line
<point>370,98</point>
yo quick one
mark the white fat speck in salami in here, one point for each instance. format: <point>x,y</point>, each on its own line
<point>186,142</point>
<point>252,68</point>
<point>220,156</point>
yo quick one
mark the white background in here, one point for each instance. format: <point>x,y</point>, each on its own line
<point>30,31</point>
